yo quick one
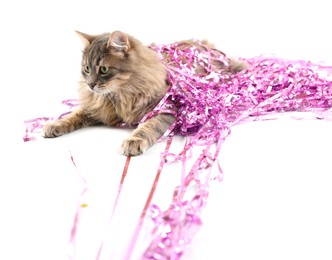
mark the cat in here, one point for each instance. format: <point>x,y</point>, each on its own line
<point>122,80</point>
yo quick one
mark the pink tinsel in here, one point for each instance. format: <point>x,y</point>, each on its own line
<point>211,100</point>
<point>207,100</point>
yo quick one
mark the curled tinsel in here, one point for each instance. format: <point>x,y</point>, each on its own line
<point>207,93</point>
<point>210,97</point>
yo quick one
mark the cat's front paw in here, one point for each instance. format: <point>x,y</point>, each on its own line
<point>134,146</point>
<point>52,129</point>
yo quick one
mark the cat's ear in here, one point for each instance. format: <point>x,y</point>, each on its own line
<point>119,41</point>
<point>86,38</point>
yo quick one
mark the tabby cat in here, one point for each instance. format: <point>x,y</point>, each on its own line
<point>122,80</point>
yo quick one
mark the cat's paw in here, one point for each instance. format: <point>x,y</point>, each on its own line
<point>52,129</point>
<point>134,146</point>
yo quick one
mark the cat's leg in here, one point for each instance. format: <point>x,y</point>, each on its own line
<point>75,120</point>
<point>147,134</point>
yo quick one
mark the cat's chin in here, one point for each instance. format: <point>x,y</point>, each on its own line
<point>101,91</point>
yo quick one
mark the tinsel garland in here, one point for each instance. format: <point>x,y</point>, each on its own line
<point>208,98</point>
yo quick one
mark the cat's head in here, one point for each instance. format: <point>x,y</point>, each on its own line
<point>106,64</point>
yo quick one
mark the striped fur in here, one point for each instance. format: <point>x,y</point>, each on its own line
<point>134,83</point>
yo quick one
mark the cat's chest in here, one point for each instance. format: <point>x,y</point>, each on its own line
<point>110,110</point>
<point>99,107</point>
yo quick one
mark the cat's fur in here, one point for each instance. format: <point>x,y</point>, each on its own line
<point>122,80</point>
<point>134,84</point>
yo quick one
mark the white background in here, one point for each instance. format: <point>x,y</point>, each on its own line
<point>275,199</point>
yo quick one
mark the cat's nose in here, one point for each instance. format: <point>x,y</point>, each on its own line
<point>92,85</point>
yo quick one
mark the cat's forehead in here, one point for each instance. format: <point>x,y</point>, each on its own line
<point>101,52</point>
<point>97,47</point>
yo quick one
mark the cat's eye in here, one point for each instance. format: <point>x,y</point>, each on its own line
<point>104,70</point>
<point>86,69</point>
